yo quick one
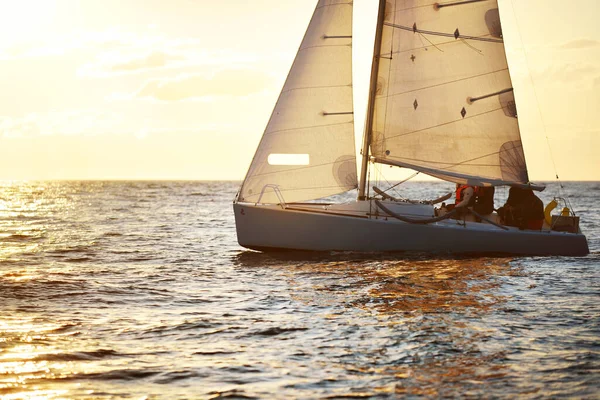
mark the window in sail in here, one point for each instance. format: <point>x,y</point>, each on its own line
<point>288,159</point>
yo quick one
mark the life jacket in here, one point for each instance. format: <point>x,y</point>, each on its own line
<point>459,195</point>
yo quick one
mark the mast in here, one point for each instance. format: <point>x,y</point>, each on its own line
<point>370,105</point>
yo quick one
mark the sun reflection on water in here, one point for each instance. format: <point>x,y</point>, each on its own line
<point>429,311</point>
<point>136,289</point>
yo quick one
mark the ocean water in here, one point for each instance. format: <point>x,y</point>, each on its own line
<point>140,290</point>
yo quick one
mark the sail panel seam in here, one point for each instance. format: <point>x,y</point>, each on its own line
<point>305,127</point>
<point>444,124</point>
<point>322,45</point>
<point>443,83</point>
<point>349,3</point>
<point>444,34</point>
<point>465,162</point>
<point>441,44</point>
<point>316,87</point>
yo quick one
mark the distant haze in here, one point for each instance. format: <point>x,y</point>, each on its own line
<point>182,89</point>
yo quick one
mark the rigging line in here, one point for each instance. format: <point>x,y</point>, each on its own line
<point>380,175</point>
<point>444,34</point>
<point>430,42</point>
<point>277,132</point>
<point>445,83</point>
<point>450,42</point>
<point>475,49</point>
<point>316,87</point>
<point>401,182</point>
<point>368,182</point>
<point>536,98</point>
<point>444,124</point>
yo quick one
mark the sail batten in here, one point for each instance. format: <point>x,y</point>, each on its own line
<point>311,130</point>
<point>445,103</point>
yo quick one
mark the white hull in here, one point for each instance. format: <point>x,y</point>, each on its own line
<point>357,226</point>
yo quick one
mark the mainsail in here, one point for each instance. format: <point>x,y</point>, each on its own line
<point>307,150</point>
<point>444,102</point>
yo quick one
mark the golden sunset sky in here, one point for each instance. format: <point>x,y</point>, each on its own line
<point>182,89</point>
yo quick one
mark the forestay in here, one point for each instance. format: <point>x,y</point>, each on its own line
<point>444,100</point>
<point>307,149</point>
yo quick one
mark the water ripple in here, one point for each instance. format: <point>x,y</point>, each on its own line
<point>139,289</point>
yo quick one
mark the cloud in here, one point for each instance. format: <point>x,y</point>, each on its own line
<point>132,60</point>
<point>116,52</point>
<point>66,123</point>
<point>155,59</point>
<point>579,44</point>
<point>580,74</point>
<point>223,83</point>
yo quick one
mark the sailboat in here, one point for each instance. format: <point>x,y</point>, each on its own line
<point>441,102</point>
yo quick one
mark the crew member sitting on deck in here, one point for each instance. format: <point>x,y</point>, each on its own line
<point>465,197</point>
<point>484,200</point>
<point>523,209</point>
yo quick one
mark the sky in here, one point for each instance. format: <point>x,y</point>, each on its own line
<point>182,89</point>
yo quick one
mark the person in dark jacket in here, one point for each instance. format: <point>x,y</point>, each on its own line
<point>522,209</point>
<point>484,200</point>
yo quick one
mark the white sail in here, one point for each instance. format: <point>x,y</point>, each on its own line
<point>307,150</point>
<point>444,102</point>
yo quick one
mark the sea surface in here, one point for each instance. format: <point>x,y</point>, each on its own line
<point>135,290</point>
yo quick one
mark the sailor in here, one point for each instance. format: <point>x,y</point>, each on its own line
<point>522,209</point>
<point>484,200</point>
<point>465,196</point>
<point>533,210</point>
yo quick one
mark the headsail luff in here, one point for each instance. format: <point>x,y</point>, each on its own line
<point>445,104</point>
<point>312,125</point>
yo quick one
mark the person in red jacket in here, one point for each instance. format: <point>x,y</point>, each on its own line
<point>465,196</point>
